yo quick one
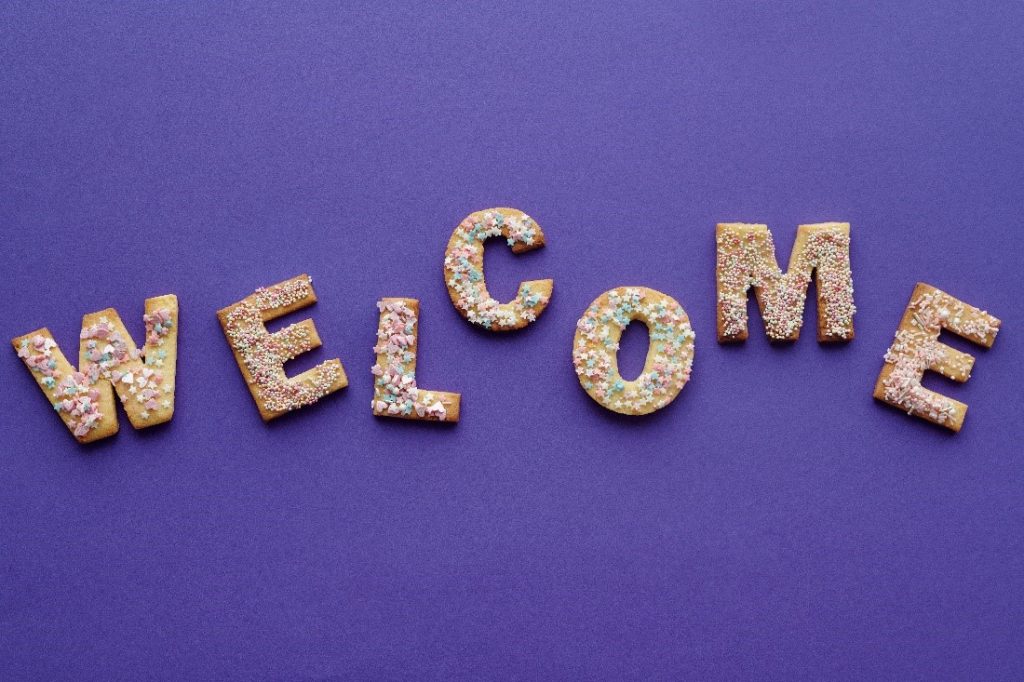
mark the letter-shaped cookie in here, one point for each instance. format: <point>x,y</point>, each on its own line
<point>464,270</point>
<point>395,393</point>
<point>261,355</point>
<point>917,349</point>
<point>746,258</point>
<point>109,361</point>
<point>669,355</point>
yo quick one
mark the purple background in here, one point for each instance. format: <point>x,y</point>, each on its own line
<point>774,522</point>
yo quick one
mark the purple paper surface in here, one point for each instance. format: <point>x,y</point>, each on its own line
<point>773,523</point>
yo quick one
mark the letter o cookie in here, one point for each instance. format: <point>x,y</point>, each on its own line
<point>464,270</point>
<point>669,355</point>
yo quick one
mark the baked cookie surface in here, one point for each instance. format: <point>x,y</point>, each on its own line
<point>745,259</point>
<point>395,391</point>
<point>669,355</point>
<point>109,363</point>
<point>464,269</point>
<point>916,349</point>
<point>261,355</point>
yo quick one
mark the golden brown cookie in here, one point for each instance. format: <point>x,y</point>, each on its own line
<point>109,362</point>
<point>261,355</point>
<point>917,349</point>
<point>746,258</point>
<point>395,393</point>
<point>464,269</point>
<point>669,356</point>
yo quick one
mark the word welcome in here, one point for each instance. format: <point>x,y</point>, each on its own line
<point>143,379</point>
